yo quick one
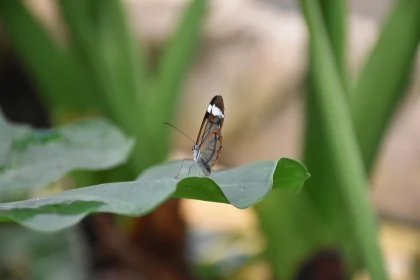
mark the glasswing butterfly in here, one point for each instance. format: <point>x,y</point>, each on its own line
<point>206,149</point>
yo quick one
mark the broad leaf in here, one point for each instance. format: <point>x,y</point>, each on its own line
<point>242,187</point>
<point>38,157</point>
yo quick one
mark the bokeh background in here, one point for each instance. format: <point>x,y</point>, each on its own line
<point>68,59</point>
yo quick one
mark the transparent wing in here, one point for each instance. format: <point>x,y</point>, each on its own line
<point>211,147</point>
<point>209,138</point>
<point>204,167</point>
<point>209,128</point>
<point>210,121</point>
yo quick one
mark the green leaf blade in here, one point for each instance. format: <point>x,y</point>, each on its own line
<point>39,157</point>
<point>346,160</point>
<point>384,77</point>
<point>242,187</point>
<point>58,211</point>
<point>290,174</point>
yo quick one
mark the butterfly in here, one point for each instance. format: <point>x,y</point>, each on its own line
<point>206,149</point>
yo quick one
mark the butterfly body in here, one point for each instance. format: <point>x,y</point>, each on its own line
<point>201,162</point>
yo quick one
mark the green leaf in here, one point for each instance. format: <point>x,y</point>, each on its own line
<point>335,13</point>
<point>346,164</point>
<point>39,157</point>
<point>242,187</point>
<point>286,220</point>
<point>100,35</point>
<point>44,59</point>
<point>384,76</point>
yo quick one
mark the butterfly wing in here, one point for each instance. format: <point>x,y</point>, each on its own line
<point>210,150</point>
<point>210,138</point>
<point>213,118</point>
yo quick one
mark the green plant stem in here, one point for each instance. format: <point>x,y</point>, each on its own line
<point>335,18</point>
<point>347,160</point>
<point>322,190</point>
<point>384,76</point>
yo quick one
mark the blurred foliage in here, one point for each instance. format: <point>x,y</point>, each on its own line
<point>334,207</point>
<point>102,70</point>
<point>34,158</point>
<point>28,255</point>
<point>384,77</point>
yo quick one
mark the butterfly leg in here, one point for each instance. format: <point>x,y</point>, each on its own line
<point>177,176</point>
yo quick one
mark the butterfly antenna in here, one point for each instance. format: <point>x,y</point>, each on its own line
<point>179,131</point>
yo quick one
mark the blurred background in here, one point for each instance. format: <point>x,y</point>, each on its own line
<point>142,62</point>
